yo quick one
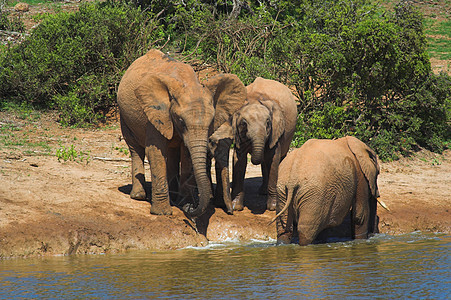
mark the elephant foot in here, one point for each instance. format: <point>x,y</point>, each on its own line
<point>360,236</point>
<point>161,209</point>
<point>271,204</point>
<point>238,202</point>
<point>224,203</point>
<point>284,239</point>
<point>227,206</point>
<point>229,209</point>
<point>138,194</point>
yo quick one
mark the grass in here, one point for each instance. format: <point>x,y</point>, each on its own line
<point>13,138</point>
<point>437,26</point>
<point>31,2</point>
<point>439,38</point>
<point>23,111</point>
<point>121,149</point>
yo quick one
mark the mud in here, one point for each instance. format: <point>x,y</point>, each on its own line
<point>57,207</point>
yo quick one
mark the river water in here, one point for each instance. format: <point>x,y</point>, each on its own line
<point>415,265</point>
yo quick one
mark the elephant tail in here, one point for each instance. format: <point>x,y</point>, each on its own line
<point>289,193</point>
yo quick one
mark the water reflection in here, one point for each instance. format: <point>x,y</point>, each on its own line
<point>414,265</point>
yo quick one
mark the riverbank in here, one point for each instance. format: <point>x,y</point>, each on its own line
<point>49,206</point>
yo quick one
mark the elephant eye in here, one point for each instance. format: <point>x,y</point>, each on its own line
<point>268,124</point>
<point>182,123</point>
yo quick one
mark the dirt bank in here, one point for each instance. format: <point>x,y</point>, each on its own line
<point>52,207</point>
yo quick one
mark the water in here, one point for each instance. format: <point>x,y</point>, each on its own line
<point>409,266</point>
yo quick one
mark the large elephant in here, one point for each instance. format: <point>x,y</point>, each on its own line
<point>166,115</point>
<point>320,183</point>
<point>263,127</point>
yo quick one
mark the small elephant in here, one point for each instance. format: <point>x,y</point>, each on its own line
<point>220,143</point>
<point>263,127</point>
<point>167,114</point>
<point>320,183</point>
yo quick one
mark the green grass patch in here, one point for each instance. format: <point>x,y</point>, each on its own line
<point>12,137</point>
<point>439,38</point>
<point>31,2</point>
<point>439,48</point>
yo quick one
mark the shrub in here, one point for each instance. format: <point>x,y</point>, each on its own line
<point>73,61</point>
<point>356,68</point>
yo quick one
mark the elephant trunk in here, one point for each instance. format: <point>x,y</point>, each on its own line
<point>257,153</point>
<point>198,153</point>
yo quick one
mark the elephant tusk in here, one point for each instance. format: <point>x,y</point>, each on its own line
<point>381,203</point>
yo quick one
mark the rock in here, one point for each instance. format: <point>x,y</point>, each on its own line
<point>22,7</point>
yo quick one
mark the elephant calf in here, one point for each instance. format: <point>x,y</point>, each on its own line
<point>219,144</point>
<point>320,183</point>
<point>263,127</point>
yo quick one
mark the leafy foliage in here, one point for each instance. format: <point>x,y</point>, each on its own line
<point>356,68</point>
<point>73,61</point>
<point>71,154</point>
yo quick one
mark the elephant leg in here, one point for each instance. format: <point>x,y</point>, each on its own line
<point>219,188</point>
<point>239,171</point>
<point>222,195</point>
<point>305,236</point>
<point>361,208</point>
<point>273,159</point>
<point>173,171</point>
<point>138,191</point>
<point>263,190</point>
<point>284,223</point>
<point>156,151</point>
<point>307,230</point>
<point>374,219</point>
<point>137,153</point>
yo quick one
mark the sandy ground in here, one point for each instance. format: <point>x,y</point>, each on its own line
<point>50,206</point>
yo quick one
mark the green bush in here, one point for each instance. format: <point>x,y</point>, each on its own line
<point>74,61</point>
<point>356,68</point>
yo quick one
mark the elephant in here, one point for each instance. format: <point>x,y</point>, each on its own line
<point>167,115</point>
<point>220,143</point>
<point>320,183</point>
<point>263,127</point>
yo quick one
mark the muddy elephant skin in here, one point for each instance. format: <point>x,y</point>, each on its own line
<point>167,115</point>
<point>320,183</point>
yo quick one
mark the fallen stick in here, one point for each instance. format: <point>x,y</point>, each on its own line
<point>111,159</point>
<point>115,159</point>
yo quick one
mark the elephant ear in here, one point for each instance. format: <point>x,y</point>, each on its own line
<point>239,129</point>
<point>229,94</point>
<point>154,94</point>
<point>277,121</point>
<point>368,162</point>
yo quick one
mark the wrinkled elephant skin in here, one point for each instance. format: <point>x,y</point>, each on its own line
<point>320,183</point>
<point>167,115</point>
